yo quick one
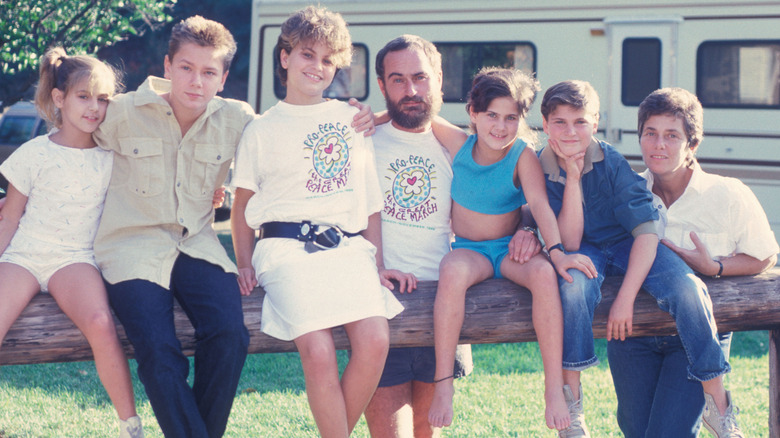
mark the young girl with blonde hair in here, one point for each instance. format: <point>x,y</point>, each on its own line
<point>57,185</point>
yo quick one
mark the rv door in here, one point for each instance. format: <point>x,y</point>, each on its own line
<point>642,58</point>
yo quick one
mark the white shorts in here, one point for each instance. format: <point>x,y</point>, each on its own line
<point>306,292</point>
<point>44,259</point>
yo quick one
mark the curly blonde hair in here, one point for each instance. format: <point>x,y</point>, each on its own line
<point>314,24</point>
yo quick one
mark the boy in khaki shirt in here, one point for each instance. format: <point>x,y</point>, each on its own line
<point>173,141</point>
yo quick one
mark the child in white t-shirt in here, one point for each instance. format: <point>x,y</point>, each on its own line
<point>307,181</point>
<point>57,185</point>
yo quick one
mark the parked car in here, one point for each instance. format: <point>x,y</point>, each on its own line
<point>18,124</point>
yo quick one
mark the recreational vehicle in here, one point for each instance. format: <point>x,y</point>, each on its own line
<point>726,51</point>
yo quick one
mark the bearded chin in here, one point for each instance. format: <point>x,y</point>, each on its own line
<point>413,120</point>
<point>409,120</point>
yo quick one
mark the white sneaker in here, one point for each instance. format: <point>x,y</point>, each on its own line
<point>577,429</point>
<point>131,428</point>
<point>721,426</point>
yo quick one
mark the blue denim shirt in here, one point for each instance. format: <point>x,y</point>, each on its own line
<point>616,201</point>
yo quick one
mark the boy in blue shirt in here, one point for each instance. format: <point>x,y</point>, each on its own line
<point>605,211</point>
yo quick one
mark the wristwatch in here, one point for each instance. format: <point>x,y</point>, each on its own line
<point>556,246</point>
<point>720,270</point>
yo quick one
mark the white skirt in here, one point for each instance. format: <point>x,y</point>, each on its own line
<point>306,292</point>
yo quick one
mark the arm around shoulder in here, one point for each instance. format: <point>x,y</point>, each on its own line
<point>449,135</point>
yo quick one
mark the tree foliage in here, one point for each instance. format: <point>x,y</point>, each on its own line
<point>29,27</point>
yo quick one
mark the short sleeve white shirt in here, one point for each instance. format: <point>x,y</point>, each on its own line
<point>65,189</point>
<point>724,213</point>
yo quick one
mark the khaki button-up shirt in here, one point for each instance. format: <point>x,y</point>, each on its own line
<point>159,201</point>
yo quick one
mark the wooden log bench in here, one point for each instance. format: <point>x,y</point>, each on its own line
<point>497,311</point>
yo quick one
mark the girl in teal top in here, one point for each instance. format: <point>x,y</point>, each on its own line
<point>494,173</point>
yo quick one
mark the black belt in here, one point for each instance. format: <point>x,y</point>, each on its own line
<point>317,237</point>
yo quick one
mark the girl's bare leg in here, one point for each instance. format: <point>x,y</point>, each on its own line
<point>17,288</point>
<point>80,293</point>
<point>459,270</point>
<point>323,389</point>
<point>369,341</point>
<point>538,275</point>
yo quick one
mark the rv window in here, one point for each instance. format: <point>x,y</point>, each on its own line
<point>641,69</point>
<point>460,61</point>
<point>742,74</point>
<point>349,82</point>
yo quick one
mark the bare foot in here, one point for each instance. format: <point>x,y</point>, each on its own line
<point>556,410</point>
<point>440,414</point>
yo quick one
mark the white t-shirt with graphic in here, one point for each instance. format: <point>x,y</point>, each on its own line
<point>304,162</point>
<point>307,163</point>
<point>415,174</point>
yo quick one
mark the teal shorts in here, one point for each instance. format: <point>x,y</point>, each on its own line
<point>495,250</point>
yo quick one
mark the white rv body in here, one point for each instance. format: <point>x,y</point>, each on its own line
<point>587,40</point>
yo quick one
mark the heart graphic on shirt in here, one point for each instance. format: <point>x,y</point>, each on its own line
<point>329,148</point>
<point>411,181</point>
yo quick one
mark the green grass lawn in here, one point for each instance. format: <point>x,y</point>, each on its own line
<point>502,398</point>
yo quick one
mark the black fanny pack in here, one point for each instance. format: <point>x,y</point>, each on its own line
<point>317,237</point>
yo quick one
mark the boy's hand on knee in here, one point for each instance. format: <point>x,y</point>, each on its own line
<point>579,262</point>
<point>363,120</point>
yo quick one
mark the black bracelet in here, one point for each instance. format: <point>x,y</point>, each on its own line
<point>556,246</point>
<point>720,271</point>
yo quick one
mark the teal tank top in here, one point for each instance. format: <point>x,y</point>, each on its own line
<point>487,189</point>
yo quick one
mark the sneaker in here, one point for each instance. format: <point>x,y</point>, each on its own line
<point>131,428</point>
<point>721,426</point>
<point>577,429</point>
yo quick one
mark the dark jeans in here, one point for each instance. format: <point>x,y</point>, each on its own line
<point>211,299</point>
<point>656,399</point>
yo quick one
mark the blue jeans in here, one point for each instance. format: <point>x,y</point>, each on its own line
<point>655,397</point>
<point>211,299</point>
<point>670,281</point>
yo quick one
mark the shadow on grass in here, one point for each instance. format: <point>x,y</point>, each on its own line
<point>79,379</point>
<point>262,373</point>
<point>521,358</point>
<point>273,372</point>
